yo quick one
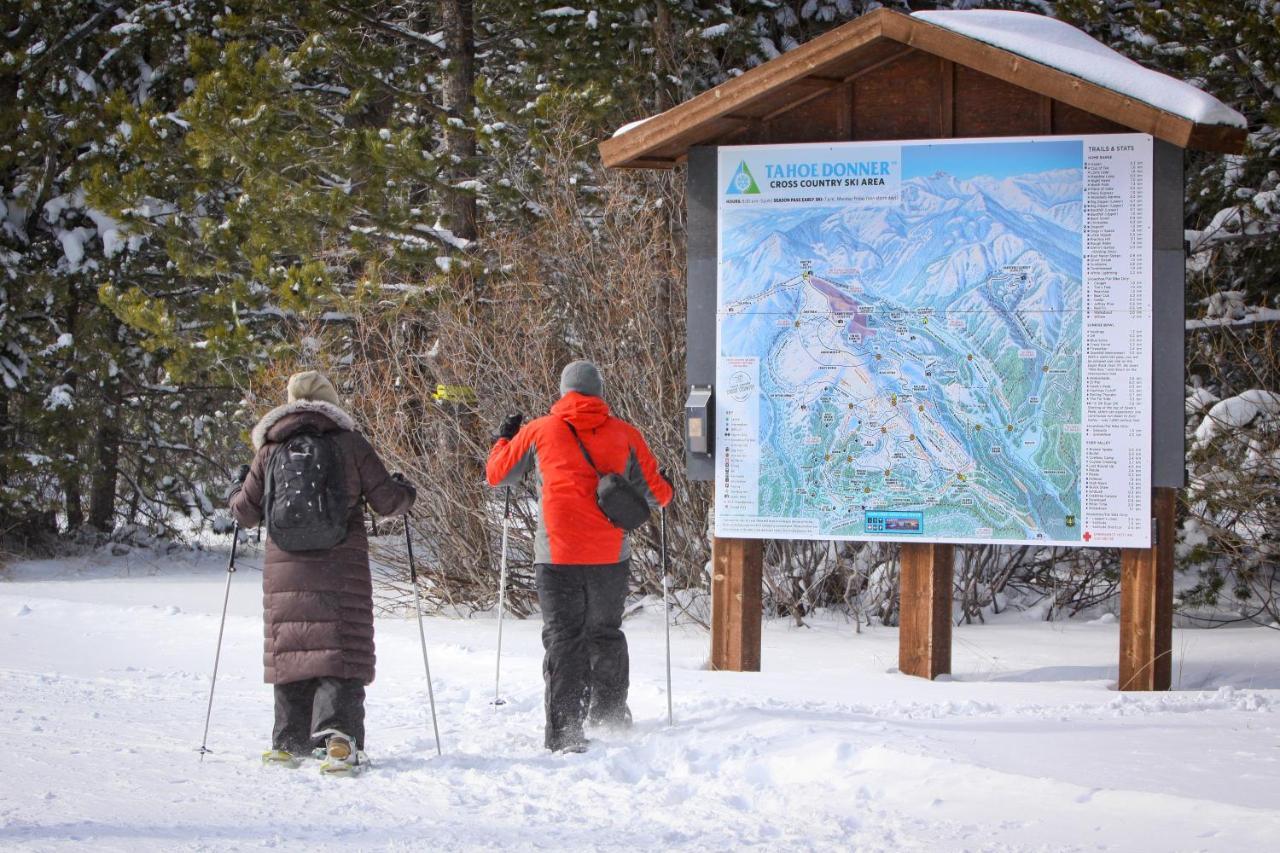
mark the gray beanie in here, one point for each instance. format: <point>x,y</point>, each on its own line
<point>583,377</point>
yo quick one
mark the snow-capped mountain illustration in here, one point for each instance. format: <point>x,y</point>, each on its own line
<point>947,238</point>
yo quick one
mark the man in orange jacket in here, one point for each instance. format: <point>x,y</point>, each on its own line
<point>581,559</point>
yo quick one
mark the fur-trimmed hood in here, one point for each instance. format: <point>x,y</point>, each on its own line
<point>340,419</point>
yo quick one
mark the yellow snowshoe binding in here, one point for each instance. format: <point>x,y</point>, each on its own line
<point>280,758</point>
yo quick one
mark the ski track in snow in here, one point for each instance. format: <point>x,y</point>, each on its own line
<point>104,678</point>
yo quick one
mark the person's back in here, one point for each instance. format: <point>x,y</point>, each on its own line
<point>572,530</point>
<point>581,558</point>
<point>318,602</point>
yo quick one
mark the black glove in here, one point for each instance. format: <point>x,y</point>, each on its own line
<point>238,484</point>
<point>400,478</point>
<point>510,426</point>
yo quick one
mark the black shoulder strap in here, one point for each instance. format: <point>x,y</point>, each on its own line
<point>585,454</point>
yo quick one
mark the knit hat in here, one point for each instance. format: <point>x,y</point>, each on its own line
<point>583,377</point>
<point>310,385</point>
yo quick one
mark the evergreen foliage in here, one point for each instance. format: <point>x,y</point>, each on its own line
<point>79,386</point>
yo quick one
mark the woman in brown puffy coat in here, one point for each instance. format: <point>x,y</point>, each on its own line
<point>318,604</point>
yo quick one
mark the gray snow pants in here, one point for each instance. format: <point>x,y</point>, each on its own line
<point>313,705</point>
<point>586,667</point>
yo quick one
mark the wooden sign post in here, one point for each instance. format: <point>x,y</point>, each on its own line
<point>927,573</point>
<point>736,581</point>
<point>1146,602</point>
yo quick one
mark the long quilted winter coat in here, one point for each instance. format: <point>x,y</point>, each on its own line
<point>318,605</point>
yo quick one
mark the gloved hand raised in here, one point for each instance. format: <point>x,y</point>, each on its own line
<point>402,480</point>
<point>242,474</point>
<point>510,426</point>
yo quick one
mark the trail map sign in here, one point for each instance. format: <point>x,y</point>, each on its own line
<point>944,341</point>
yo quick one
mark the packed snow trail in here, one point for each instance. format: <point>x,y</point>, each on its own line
<point>104,673</point>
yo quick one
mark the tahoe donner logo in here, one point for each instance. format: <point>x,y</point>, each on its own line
<point>742,182</point>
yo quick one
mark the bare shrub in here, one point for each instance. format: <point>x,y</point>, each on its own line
<point>598,276</point>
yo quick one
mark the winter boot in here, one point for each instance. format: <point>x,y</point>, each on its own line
<point>618,720</point>
<point>568,742</point>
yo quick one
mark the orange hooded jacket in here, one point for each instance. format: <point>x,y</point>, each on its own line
<point>571,528</point>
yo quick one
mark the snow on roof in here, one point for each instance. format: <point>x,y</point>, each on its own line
<point>632,125</point>
<point>1060,45</point>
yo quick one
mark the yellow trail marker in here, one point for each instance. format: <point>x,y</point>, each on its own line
<point>454,394</point>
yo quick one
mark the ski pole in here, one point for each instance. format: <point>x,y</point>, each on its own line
<point>217,655</point>
<point>417,606</point>
<point>502,596</point>
<point>666,608</point>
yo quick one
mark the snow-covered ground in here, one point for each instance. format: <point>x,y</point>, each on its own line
<point>104,674</point>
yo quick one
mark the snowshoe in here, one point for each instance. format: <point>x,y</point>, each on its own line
<point>357,764</point>
<point>341,757</point>
<point>281,758</point>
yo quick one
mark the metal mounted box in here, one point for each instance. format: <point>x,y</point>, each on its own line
<point>699,421</point>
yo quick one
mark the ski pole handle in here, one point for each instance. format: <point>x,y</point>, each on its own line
<point>506,504</point>
<point>235,541</point>
<point>408,544</point>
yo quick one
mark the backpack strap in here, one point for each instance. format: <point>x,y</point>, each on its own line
<point>583,447</point>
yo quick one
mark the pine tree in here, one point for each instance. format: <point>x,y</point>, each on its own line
<point>86,413</point>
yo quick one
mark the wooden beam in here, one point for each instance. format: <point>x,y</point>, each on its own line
<point>737,573</point>
<point>924,610</point>
<point>1146,602</point>
<point>675,150</point>
<point>876,66</point>
<point>947,95</point>
<point>816,83</point>
<point>797,101</point>
<point>1046,115</point>
<point>656,163</point>
<point>1219,138</point>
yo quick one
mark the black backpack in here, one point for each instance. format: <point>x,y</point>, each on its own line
<point>618,499</point>
<point>306,493</point>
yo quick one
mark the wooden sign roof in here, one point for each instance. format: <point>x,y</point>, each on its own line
<point>928,82</point>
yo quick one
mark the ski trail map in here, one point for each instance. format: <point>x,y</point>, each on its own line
<point>935,341</point>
